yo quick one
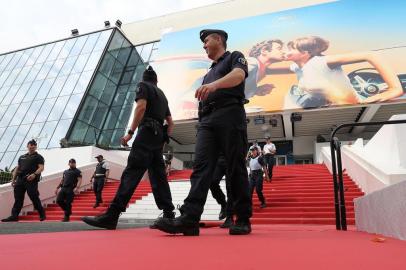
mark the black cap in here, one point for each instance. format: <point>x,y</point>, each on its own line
<point>72,160</point>
<point>252,148</point>
<point>32,142</point>
<point>149,75</point>
<point>99,156</point>
<point>205,32</point>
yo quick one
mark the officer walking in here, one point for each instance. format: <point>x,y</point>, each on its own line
<point>99,179</point>
<point>269,154</point>
<point>146,153</point>
<point>25,179</point>
<point>222,128</point>
<point>68,187</point>
<point>257,169</point>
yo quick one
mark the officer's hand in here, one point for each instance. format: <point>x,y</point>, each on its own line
<point>203,91</point>
<point>76,191</point>
<point>31,177</point>
<point>125,139</point>
<point>13,183</point>
<point>56,191</point>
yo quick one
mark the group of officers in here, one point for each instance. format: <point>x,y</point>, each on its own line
<point>221,145</point>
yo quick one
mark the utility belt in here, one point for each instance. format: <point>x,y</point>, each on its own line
<point>207,109</point>
<point>256,171</point>
<point>152,123</point>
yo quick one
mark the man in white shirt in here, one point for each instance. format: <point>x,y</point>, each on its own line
<point>269,152</point>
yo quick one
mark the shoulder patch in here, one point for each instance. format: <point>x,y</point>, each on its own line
<point>242,60</point>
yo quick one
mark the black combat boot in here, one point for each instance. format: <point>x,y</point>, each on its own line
<point>227,223</point>
<point>10,219</point>
<point>107,220</point>
<point>169,215</point>
<point>42,215</point>
<point>182,224</point>
<point>66,218</point>
<point>223,214</point>
<point>241,227</point>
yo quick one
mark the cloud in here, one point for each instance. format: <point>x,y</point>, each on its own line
<point>28,23</point>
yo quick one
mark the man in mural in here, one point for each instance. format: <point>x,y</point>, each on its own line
<point>222,128</point>
<point>146,153</point>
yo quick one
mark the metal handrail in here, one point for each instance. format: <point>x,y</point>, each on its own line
<point>336,163</point>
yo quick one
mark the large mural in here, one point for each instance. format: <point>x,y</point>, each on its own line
<point>340,53</point>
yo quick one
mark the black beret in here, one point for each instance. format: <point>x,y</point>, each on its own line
<point>205,32</point>
<point>149,75</point>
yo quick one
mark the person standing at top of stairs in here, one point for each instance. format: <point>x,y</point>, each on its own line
<point>99,178</point>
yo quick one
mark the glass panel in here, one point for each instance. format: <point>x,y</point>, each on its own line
<point>21,93</point>
<point>43,91</point>
<point>88,109</point>
<point>146,52</point>
<point>117,71</point>
<point>45,52</point>
<point>98,85</point>
<point>14,60</point>
<point>3,92</point>
<point>56,50</point>
<point>108,93</point>
<point>107,65</point>
<point>2,111</point>
<point>47,132</point>
<point>32,91</point>
<point>78,46</point>
<point>115,139</point>
<point>99,116</point>
<point>116,44</point>
<point>123,55</point>
<point>35,132</point>
<point>7,137</point>
<point>67,67</point>
<point>10,95</point>
<point>105,138</point>
<point>57,87</point>
<point>45,110</point>
<point>13,75</point>
<point>139,49</point>
<point>80,63</point>
<point>24,58</point>
<point>72,106</point>
<point>44,70</point>
<point>60,133</point>
<point>78,132</point>
<point>93,60</point>
<point>35,106</point>
<point>18,139</point>
<point>23,74</point>
<point>69,84</point>
<point>112,118</point>
<point>4,77</point>
<point>33,73</point>
<point>20,113</point>
<point>101,42</point>
<point>91,135</point>
<point>57,110</point>
<point>154,53</point>
<point>67,48</point>
<point>91,41</point>
<point>6,60</point>
<point>2,131</point>
<point>56,68</point>
<point>33,57</point>
<point>7,160</point>
<point>83,82</point>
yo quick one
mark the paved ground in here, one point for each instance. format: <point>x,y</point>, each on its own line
<point>46,227</point>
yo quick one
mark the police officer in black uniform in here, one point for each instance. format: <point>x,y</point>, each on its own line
<point>146,153</point>
<point>99,179</point>
<point>222,128</point>
<point>68,186</point>
<point>25,179</point>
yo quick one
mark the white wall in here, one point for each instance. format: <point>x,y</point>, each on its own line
<point>303,146</point>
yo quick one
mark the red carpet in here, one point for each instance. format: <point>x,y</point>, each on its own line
<point>281,247</point>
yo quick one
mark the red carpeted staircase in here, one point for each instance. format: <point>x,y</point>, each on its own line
<point>303,194</point>
<point>83,203</point>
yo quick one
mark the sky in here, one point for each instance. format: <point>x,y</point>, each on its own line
<point>27,23</point>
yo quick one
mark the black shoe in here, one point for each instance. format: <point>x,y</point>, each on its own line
<point>241,227</point>
<point>10,219</point>
<point>169,215</point>
<point>96,205</point>
<point>65,219</point>
<point>227,223</point>
<point>178,225</point>
<point>42,216</point>
<point>263,205</point>
<point>222,214</point>
<point>107,220</point>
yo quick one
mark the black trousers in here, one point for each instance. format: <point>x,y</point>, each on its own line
<point>270,161</point>
<point>31,188</point>
<point>65,199</point>
<point>98,185</point>
<point>223,130</point>
<point>216,191</point>
<point>256,182</point>
<point>139,160</point>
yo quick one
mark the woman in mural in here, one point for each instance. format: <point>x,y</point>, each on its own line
<point>321,80</point>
